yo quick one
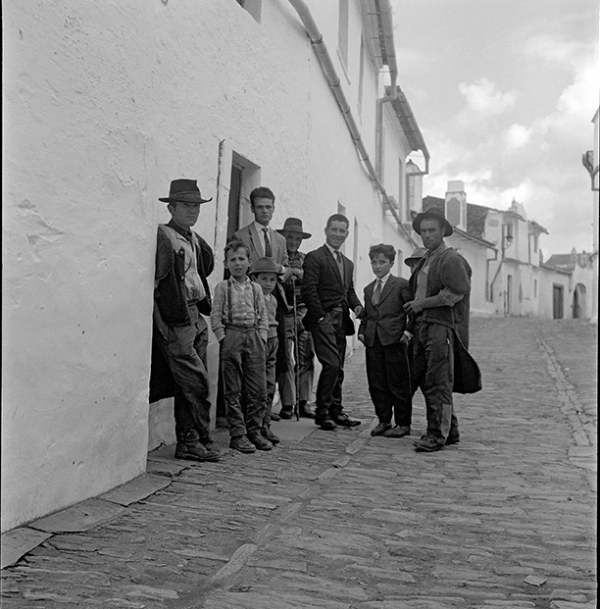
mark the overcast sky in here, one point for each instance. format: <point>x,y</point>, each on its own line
<point>504,92</point>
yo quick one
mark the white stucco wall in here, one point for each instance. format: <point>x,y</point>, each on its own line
<point>78,234</point>
<point>104,104</point>
<point>476,256</point>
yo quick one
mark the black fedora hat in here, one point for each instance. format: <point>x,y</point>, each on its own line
<point>184,191</point>
<point>432,212</point>
<point>293,225</point>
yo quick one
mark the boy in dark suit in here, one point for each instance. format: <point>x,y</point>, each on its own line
<point>328,292</point>
<point>383,332</point>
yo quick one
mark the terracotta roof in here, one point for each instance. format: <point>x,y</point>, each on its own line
<point>567,262</point>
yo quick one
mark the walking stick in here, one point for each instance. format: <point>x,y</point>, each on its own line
<point>296,354</point>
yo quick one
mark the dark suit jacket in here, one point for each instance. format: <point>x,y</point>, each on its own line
<point>323,288</point>
<point>387,319</point>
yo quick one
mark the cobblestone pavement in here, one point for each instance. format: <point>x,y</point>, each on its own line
<point>505,519</point>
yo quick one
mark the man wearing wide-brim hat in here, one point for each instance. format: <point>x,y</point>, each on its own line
<point>441,283</point>
<point>294,234</point>
<point>183,262</point>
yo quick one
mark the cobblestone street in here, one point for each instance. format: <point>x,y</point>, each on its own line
<point>340,520</point>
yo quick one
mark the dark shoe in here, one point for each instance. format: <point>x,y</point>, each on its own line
<point>275,417</point>
<point>287,412</point>
<point>269,435</point>
<point>380,429</point>
<point>343,420</point>
<point>195,452</point>
<point>306,410</point>
<point>242,444</point>
<point>260,442</point>
<point>397,432</point>
<point>427,444</point>
<point>325,423</point>
<point>211,446</point>
<point>452,440</point>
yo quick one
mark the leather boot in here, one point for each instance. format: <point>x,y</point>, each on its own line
<point>188,447</point>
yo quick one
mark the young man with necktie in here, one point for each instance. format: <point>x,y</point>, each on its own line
<point>328,292</point>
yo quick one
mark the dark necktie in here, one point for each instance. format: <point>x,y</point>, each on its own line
<point>268,250</point>
<point>377,293</point>
<point>340,263</point>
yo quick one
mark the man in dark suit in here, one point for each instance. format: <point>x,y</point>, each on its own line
<point>328,293</point>
<point>384,334</point>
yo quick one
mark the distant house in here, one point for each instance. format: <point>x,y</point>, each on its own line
<point>503,249</point>
<point>566,283</point>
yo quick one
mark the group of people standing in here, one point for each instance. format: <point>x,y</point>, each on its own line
<point>279,307</point>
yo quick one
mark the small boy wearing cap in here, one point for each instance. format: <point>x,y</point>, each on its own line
<point>383,332</point>
<point>413,260</point>
<point>240,322</point>
<point>265,272</point>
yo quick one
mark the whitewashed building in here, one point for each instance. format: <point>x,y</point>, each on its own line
<point>591,162</point>
<point>105,103</point>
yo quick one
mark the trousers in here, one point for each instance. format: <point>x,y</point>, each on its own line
<point>388,374</point>
<point>330,347</point>
<point>243,356</point>
<point>184,349</point>
<point>433,372</point>
<point>306,365</point>
<point>270,376</point>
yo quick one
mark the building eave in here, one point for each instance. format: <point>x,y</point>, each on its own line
<point>555,268</point>
<point>408,122</point>
<point>469,237</point>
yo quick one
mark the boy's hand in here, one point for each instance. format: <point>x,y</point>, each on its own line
<point>358,311</point>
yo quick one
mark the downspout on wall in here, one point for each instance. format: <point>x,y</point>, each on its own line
<point>320,48</point>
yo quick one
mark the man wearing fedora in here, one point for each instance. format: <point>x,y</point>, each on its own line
<point>441,284</point>
<point>294,235</point>
<point>181,296</point>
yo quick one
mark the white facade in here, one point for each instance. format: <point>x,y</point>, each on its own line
<point>591,163</point>
<point>105,103</point>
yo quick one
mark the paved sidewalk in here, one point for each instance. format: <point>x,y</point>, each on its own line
<point>505,519</point>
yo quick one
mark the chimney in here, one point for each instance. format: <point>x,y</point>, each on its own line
<point>456,204</point>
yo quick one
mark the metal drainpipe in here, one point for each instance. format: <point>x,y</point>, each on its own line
<point>322,53</point>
